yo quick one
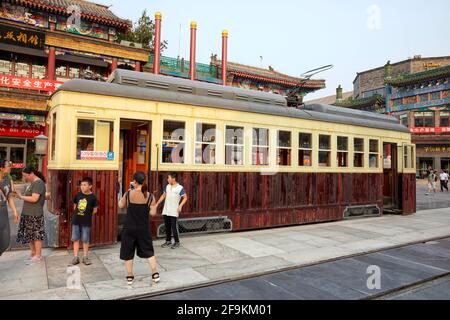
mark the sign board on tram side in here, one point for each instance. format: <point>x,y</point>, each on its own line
<point>29,83</point>
<point>97,155</point>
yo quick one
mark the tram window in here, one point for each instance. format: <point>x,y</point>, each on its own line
<point>205,146</point>
<point>342,153</point>
<point>284,148</point>
<point>234,146</point>
<point>324,150</point>
<point>94,135</point>
<point>260,147</point>
<point>409,157</point>
<point>358,147</point>
<point>305,149</point>
<point>173,142</point>
<point>373,153</point>
<point>53,140</point>
<point>85,136</point>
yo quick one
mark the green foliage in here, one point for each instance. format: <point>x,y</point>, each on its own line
<point>143,31</point>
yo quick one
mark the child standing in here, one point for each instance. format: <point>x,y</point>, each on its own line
<point>172,195</point>
<point>85,204</point>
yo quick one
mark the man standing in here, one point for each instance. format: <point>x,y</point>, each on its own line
<point>172,195</point>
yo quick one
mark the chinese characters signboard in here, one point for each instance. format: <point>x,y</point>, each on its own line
<point>21,129</point>
<point>21,37</point>
<point>432,149</point>
<point>29,83</point>
<point>431,130</point>
<point>97,155</point>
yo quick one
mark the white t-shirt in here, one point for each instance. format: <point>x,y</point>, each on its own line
<point>172,201</point>
<point>443,176</point>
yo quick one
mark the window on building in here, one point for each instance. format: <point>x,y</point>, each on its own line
<point>284,148</point>
<point>61,72</point>
<point>436,95</point>
<point>94,135</point>
<point>373,153</point>
<point>5,67</point>
<point>423,97</point>
<point>404,120</point>
<point>53,141</point>
<point>305,149</point>
<point>234,146</point>
<point>74,72</point>
<point>424,119</point>
<point>38,69</point>
<point>342,152</point>
<point>444,118</point>
<point>205,144</point>
<point>260,147</point>
<point>22,69</point>
<point>173,142</point>
<point>324,150</point>
<point>358,149</point>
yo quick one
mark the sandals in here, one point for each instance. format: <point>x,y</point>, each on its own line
<point>130,280</point>
<point>155,277</point>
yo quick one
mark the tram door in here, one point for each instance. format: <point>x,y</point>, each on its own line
<point>390,183</point>
<point>134,155</point>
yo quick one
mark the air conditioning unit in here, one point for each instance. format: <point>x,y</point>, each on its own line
<point>131,44</point>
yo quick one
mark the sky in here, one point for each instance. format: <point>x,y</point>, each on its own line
<point>296,36</point>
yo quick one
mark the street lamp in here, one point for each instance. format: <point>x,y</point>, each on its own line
<point>41,148</point>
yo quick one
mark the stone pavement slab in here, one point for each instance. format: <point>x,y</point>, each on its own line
<point>206,258</point>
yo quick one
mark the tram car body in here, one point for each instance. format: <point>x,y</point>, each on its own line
<point>246,159</point>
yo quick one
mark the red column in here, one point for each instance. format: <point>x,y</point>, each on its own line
<point>224,56</point>
<point>192,65</point>
<point>45,158</point>
<point>51,63</point>
<point>137,66</point>
<point>157,57</point>
<point>114,64</point>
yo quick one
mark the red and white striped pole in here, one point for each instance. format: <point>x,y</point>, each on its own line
<point>157,56</point>
<point>192,64</point>
<point>224,56</point>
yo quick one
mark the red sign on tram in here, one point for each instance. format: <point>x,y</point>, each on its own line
<point>29,83</point>
<point>20,129</point>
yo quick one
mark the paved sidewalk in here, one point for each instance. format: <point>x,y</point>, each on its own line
<point>209,258</point>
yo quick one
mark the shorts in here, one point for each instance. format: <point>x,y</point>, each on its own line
<point>81,232</point>
<point>139,241</point>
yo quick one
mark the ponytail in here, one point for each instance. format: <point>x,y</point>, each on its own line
<point>144,189</point>
<point>30,170</point>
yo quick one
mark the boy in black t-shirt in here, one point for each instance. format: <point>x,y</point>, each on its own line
<point>85,205</point>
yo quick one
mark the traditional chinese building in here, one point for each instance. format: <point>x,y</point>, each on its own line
<point>238,75</point>
<point>417,92</point>
<point>42,44</point>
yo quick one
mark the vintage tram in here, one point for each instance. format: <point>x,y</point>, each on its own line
<point>245,158</point>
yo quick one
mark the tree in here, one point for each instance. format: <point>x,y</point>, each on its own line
<point>143,32</point>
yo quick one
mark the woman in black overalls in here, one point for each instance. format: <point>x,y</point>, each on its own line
<point>136,234</point>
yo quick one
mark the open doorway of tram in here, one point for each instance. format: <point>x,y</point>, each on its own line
<point>392,203</point>
<point>134,155</point>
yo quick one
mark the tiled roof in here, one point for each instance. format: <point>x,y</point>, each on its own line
<point>420,76</point>
<point>268,75</point>
<point>361,102</point>
<point>90,11</point>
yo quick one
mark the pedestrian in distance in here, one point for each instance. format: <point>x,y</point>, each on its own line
<point>85,205</point>
<point>443,176</point>
<point>136,234</point>
<point>31,226</point>
<point>173,194</point>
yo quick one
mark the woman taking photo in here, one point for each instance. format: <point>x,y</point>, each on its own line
<point>136,234</point>
<point>31,226</point>
<point>6,197</point>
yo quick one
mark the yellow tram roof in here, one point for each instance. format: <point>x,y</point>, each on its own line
<point>148,86</point>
